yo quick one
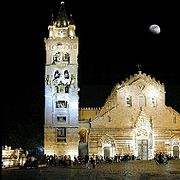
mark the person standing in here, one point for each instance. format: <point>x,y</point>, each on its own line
<point>93,162</point>
<point>87,161</point>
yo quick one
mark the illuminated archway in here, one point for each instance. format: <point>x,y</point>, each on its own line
<point>106,146</point>
<point>176,146</point>
<point>83,134</point>
<point>143,137</point>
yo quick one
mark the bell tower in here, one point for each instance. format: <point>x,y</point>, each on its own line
<point>61,86</point>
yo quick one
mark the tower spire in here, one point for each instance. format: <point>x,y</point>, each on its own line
<point>62,18</point>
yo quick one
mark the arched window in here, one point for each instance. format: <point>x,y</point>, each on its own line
<point>154,104</point>
<point>129,100</point>
<point>142,101</point>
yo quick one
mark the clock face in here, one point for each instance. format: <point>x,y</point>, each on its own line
<point>61,33</point>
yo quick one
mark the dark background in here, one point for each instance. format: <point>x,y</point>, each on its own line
<point>113,39</point>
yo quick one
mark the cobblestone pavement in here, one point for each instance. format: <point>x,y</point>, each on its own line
<point>132,170</point>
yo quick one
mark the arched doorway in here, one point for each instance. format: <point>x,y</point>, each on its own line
<point>176,151</point>
<point>107,151</point>
<point>143,134</point>
<point>83,142</point>
<point>108,147</point>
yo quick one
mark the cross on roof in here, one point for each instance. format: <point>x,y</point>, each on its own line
<point>139,66</point>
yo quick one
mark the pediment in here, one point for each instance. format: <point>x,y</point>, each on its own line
<point>141,80</point>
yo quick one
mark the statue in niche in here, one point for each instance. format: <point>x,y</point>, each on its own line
<point>66,57</point>
<point>56,75</point>
<point>83,136</point>
<point>57,89</point>
<point>67,88</point>
<point>62,88</point>
<point>66,74</point>
<point>48,79</point>
<point>61,104</point>
<point>72,86</point>
<point>61,56</point>
<point>54,59</point>
<point>72,79</point>
<point>61,132</point>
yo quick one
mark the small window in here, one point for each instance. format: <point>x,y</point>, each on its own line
<point>174,119</point>
<point>154,102</point>
<point>129,101</point>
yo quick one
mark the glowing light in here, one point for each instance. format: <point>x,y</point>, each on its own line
<point>153,92</point>
<point>72,153</point>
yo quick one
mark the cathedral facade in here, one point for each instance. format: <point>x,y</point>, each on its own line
<point>134,119</point>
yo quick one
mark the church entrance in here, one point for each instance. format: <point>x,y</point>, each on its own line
<point>106,152</point>
<point>143,149</point>
<point>176,151</point>
<point>83,149</point>
<point>143,134</point>
<point>83,142</point>
<point>106,147</point>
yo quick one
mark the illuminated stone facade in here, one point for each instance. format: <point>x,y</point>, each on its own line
<point>134,119</point>
<point>61,87</point>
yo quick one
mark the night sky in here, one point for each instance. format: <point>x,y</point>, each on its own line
<point>113,38</point>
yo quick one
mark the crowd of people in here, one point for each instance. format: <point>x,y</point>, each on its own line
<point>90,161</point>
<point>66,160</point>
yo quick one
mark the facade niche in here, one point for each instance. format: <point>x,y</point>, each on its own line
<point>66,57</point>
<point>61,104</point>
<point>83,133</point>
<point>66,74</point>
<point>61,119</point>
<point>61,134</point>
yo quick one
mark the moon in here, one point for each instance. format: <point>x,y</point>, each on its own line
<point>154,28</point>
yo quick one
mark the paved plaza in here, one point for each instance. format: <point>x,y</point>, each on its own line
<point>132,170</point>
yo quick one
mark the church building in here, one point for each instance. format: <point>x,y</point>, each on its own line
<point>134,119</point>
